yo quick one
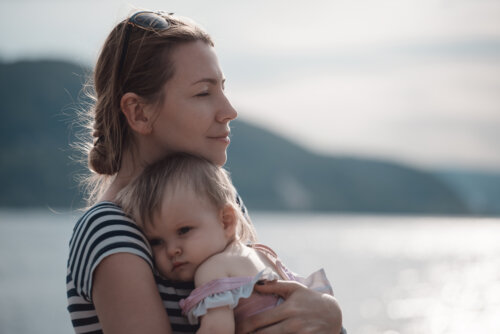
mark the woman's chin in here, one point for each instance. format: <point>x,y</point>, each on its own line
<point>222,161</point>
<point>217,159</point>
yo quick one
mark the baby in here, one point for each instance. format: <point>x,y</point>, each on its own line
<point>188,209</point>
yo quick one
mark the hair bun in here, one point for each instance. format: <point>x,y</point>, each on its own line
<point>100,160</point>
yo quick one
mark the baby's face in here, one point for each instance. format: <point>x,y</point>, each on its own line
<point>186,231</point>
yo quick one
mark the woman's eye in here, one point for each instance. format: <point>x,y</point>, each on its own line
<point>184,230</point>
<point>156,242</point>
<point>202,94</point>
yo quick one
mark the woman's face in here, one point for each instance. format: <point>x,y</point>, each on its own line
<point>195,114</point>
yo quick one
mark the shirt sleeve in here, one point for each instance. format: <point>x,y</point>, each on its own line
<point>102,231</point>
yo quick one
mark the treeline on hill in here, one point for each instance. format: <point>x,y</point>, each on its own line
<point>39,100</point>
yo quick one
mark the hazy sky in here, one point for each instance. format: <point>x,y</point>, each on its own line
<point>413,81</point>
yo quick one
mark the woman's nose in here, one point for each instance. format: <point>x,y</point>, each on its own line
<point>226,112</point>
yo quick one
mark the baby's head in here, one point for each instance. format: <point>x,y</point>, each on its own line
<point>187,208</point>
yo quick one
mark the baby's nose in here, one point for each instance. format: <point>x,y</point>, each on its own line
<point>174,250</point>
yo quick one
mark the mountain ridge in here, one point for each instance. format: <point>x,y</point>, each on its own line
<point>39,100</point>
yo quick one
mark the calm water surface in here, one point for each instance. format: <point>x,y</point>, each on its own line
<point>390,274</point>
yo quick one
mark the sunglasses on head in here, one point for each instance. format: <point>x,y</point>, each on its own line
<point>146,20</point>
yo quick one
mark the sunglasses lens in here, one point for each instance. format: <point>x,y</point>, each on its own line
<point>150,20</point>
<point>144,20</point>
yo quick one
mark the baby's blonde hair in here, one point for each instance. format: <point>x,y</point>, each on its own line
<point>143,197</point>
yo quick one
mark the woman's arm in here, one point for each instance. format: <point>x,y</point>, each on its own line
<point>303,311</point>
<point>126,297</point>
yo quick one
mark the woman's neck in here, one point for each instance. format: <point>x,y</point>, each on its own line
<point>139,154</point>
<point>131,167</point>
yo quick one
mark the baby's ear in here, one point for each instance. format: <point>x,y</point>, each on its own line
<point>229,220</point>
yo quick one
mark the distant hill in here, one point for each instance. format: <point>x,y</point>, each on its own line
<point>480,190</point>
<point>38,102</point>
<point>273,173</point>
<point>34,133</point>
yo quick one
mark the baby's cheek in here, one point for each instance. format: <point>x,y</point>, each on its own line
<point>165,272</point>
<point>161,265</point>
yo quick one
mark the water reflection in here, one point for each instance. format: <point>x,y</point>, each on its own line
<point>458,295</point>
<point>406,275</point>
<point>392,275</point>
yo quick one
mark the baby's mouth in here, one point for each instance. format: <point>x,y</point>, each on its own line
<point>177,265</point>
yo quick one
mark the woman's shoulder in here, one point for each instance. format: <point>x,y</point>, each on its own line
<point>103,230</point>
<point>106,225</point>
<point>101,209</point>
<point>104,214</point>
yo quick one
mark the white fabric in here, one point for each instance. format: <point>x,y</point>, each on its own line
<point>229,297</point>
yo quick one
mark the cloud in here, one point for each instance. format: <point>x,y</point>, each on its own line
<point>412,80</point>
<point>430,113</point>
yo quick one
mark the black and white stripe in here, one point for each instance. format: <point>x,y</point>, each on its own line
<point>171,293</point>
<point>104,230</point>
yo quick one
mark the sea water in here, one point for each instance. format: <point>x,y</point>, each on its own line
<point>390,274</point>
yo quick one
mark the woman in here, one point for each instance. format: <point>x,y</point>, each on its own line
<point>158,90</point>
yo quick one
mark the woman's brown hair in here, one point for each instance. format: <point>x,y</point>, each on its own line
<point>145,70</point>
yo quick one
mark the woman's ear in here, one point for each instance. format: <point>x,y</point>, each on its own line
<point>229,220</point>
<point>138,114</point>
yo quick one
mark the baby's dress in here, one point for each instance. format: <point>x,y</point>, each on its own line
<point>237,292</point>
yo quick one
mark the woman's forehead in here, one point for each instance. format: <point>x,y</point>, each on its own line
<point>196,62</point>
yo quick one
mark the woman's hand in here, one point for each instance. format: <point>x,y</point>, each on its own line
<point>303,311</point>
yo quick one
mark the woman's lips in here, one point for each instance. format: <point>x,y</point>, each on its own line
<point>224,138</point>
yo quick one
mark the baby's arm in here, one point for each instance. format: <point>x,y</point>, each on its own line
<point>220,319</point>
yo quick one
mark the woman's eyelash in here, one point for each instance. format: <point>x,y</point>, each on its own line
<point>203,94</point>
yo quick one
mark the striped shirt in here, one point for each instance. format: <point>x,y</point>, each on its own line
<point>102,231</point>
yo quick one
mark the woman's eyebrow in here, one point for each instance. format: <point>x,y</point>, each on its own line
<point>209,80</point>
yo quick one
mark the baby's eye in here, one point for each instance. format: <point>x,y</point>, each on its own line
<point>184,230</point>
<point>156,242</point>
